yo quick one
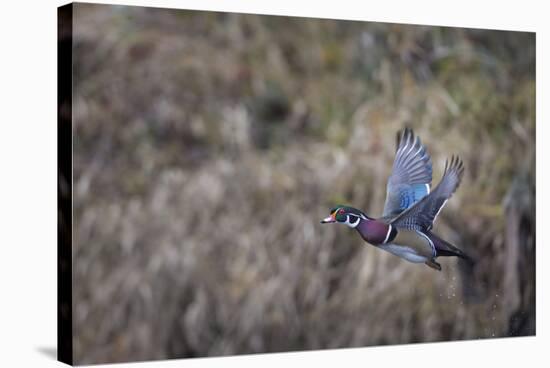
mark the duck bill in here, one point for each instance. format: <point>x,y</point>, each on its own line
<point>328,220</point>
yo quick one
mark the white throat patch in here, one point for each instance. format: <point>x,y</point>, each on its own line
<point>353,225</point>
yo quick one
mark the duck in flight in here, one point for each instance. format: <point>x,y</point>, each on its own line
<point>410,210</point>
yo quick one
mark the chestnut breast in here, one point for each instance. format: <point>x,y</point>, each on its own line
<point>373,231</point>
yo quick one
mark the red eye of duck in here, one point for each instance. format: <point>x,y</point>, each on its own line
<point>341,212</point>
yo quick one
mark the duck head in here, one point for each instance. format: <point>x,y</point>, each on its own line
<point>345,215</point>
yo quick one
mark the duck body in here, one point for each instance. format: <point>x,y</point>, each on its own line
<point>407,244</point>
<point>411,208</point>
<point>412,245</point>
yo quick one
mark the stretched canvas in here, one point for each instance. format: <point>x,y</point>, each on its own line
<point>207,161</point>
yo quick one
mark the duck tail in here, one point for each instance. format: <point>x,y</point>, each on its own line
<point>445,249</point>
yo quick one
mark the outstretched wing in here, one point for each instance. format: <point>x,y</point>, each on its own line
<point>411,174</point>
<point>422,215</point>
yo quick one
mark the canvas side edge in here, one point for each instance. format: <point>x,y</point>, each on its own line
<point>64,185</point>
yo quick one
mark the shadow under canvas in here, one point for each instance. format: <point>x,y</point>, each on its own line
<point>48,351</point>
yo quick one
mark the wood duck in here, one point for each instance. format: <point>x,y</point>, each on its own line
<point>410,208</point>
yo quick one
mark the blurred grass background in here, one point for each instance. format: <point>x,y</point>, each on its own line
<point>207,147</point>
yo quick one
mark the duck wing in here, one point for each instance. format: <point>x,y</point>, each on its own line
<point>411,174</point>
<point>423,213</point>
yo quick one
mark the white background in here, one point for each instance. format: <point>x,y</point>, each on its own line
<point>28,182</point>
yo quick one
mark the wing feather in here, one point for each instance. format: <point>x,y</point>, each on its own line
<point>411,174</point>
<point>423,214</point>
